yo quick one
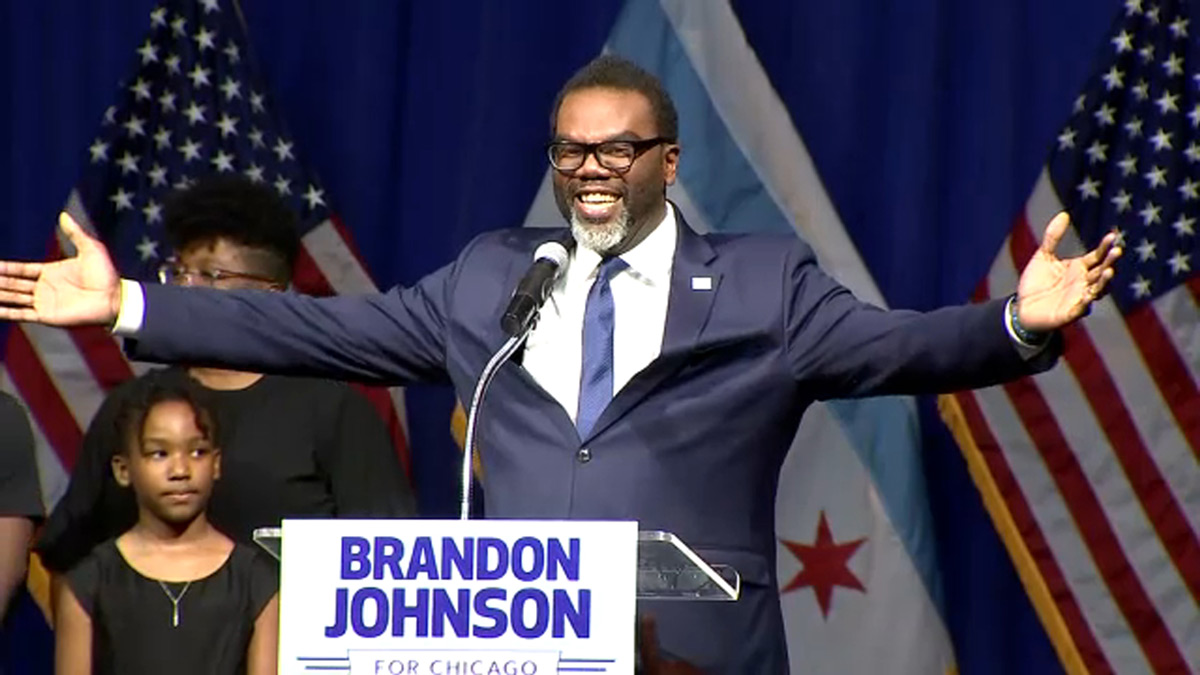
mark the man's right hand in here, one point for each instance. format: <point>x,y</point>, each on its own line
<point>74,291</point>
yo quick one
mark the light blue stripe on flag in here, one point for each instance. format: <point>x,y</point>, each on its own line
<point>727,189</point>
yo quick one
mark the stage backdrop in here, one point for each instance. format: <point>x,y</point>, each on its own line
<point>927,121</point>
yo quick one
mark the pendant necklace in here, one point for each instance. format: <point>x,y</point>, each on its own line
<point>174,600</point>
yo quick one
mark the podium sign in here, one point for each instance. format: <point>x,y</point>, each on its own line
<point>474,597</point>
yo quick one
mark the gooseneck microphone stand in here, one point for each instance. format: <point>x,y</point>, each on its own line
<point>498,359</point>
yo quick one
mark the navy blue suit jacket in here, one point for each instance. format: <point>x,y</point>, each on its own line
<point>693,444</point>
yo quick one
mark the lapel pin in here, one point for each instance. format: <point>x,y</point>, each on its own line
<point>702,283</point>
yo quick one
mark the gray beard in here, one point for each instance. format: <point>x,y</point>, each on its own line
<point>600,238</point>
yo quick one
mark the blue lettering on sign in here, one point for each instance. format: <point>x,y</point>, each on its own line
<point>476,667</point>
<point>456,614</point>
<point>396,667</point>
<point>579,614</point>
<point>492,558</point>
<point>520,613</point>
<point>423,560</point>
<point>461,558</point>
<point>388,551</point>
<point>528,559</point>
<point>438,612</point>
<point>499,625</point>
<point>418,611</point>
<point>560,559</point>
<point>338,628</point>
<point>485,558</point>
<point>358,606</point>
<point>355,564</point>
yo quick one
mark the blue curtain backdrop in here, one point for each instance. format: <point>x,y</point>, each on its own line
<point>928,121</point>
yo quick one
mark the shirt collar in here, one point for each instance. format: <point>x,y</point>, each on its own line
<point>649,261</point>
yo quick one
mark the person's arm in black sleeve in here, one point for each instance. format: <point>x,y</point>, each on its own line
<point>20,496</point>
<point>94,507</point>
<point>361,462</point>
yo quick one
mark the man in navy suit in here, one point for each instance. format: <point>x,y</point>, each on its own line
<point>666,376</point>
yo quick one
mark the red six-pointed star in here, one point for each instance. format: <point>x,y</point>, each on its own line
<point>824,565</point>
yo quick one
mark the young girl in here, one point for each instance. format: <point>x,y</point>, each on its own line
<point>173,594</point>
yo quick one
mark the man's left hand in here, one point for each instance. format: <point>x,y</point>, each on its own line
<point>1052,291</point>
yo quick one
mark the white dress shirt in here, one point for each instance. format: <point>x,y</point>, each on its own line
<point>554,351</point>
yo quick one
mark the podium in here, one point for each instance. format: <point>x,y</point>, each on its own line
<point>402,597</point>
<point>666,568</point>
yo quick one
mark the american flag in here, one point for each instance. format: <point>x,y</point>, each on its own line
<point>1091,470</point>
<point>194,105</point>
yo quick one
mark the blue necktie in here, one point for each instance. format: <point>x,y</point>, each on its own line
<point>596,376</point>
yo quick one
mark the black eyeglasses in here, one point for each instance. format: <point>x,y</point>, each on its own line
<point>616,156</point>
<point>175,273</point>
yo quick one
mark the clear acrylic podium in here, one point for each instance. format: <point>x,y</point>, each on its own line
<point>667,568</point>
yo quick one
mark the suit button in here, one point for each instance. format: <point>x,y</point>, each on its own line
<point>584,455</point>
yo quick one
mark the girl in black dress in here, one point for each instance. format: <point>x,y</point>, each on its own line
<point>172,594</point>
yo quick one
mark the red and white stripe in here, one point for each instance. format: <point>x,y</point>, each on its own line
<point>62,376</point>
<point>1096,461</point>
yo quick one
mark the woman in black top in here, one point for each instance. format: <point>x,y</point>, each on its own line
<point>172,594</point>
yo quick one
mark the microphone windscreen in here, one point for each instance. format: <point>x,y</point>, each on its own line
<point>553,251</point>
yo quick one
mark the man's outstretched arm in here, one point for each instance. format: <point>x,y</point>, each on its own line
<point>846,348</point>
<point>396,337</point>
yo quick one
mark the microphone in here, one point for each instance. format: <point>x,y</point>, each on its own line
<point>549,262</point>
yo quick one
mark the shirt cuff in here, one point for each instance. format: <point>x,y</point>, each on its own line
<point>133,309</point>
<point>1026,349</point>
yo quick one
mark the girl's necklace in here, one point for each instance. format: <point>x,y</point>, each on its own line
<point>174,600</point>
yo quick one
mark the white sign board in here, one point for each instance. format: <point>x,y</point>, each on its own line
<point>477,597</point>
